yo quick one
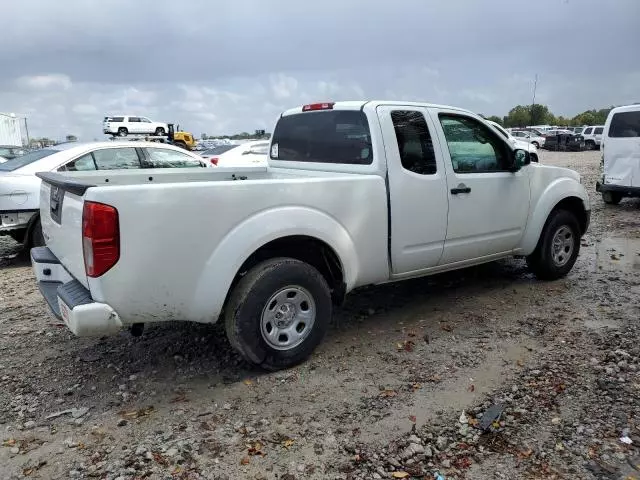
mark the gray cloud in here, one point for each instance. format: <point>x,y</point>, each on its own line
<point>220,67</point>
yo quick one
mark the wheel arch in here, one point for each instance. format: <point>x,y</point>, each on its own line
<point>297,232</point>
<point>562,194</point>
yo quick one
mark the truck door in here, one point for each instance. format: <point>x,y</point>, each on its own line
<point>488,204</point>
<point>418,200</point>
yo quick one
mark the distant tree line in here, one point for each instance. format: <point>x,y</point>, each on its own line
<point>523,115</point>
<point>257,135</point>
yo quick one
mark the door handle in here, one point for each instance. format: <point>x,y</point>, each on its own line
<point>462,188</point>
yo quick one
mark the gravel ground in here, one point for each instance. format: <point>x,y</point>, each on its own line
<point>480,374</point>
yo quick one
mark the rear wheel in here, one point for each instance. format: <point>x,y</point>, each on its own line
<point>535,144</point>
<point>123,132</point>
<point>558,246</point>
<point>160,131</point>
<point>611,198</point>
<point>278,313</point>
<point>590,145</point>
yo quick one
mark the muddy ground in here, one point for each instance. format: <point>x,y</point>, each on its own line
<point>399,388</point>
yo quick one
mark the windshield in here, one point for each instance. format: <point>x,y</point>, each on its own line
<point>218,150</point>
<point>24,160</point>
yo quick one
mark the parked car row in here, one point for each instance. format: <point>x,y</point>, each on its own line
<point>591,136</point>
<point>20,188</point>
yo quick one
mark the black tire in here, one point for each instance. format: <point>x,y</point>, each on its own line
<point>534,158</point>
<point>590,145</point>
<point>160,131</point>
<point>542,262</point>
<point>36,238</point>
<point>247,306</point>
<point>611,198</point>
<point>180,144</point>
<point>535,144</point>
<point>123,132</point>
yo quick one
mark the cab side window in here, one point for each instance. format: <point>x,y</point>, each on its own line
<point>116,158</point>
<point>473,147</point>
<point>414,142</point>
<point>81,164</point>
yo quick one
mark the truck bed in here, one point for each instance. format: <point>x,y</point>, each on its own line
<point>217,218</point>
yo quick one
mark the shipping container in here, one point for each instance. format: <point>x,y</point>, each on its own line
<point>10,131</point>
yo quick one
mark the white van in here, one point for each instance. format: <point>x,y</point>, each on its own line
<point>621,155</point>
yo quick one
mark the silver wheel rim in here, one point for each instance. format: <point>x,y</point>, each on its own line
<point>287,318</point>
<point>562,246</point>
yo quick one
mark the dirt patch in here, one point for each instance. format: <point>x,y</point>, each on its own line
<point>384,394</point>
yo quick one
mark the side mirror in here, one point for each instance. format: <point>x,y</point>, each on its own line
<point>519,159</point>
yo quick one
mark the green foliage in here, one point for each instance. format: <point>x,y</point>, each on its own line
<point>242,136</point>
<point>496,119</point>
<point>523,115</point>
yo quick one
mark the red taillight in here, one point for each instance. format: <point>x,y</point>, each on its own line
<point>100,238</point>
<point>318,106</point>
<point>214,160</point>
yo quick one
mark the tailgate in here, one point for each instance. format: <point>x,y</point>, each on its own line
<point>61,203</point>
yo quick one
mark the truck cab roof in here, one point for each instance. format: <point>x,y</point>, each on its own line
<point>360,104</point>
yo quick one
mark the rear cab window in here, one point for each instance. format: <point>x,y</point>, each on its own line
<point>325,136</point>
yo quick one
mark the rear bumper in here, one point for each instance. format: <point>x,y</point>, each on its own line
<point>621,189</point>
<point>11,220</point>
<point>69,300</point>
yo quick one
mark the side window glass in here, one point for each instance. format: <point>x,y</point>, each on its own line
<point>134,119</point>
<point>414,142</point>
<point>81,164</point>
<point>598,131</point>
<point>472,146</point>
<point>116,158</point>
<point>166,158</point>
<point>588,131</point>
<point>625,125</point>
<point>145,120</point>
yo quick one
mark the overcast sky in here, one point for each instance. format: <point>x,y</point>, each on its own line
<point>225,66</point>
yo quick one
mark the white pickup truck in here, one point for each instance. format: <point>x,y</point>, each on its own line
<point>356,193</point>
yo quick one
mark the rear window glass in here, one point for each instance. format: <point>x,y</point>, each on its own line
<point>623,124</point>
<point>333,136</point>
<point>218,150</point>
<point>24,160</point>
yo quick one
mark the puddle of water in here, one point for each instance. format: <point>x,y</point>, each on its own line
<point>618,253</point>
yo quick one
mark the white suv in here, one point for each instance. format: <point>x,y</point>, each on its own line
<point>593,136</point>
<point>124,125</point>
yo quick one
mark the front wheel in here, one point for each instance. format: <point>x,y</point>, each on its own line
<point>123,132</point>
<point>535,144</point>
<point>160,131</point>
<point>278,313</point>
<point>558,247</point>
<point>611,198</point>
<point>180,144</point>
